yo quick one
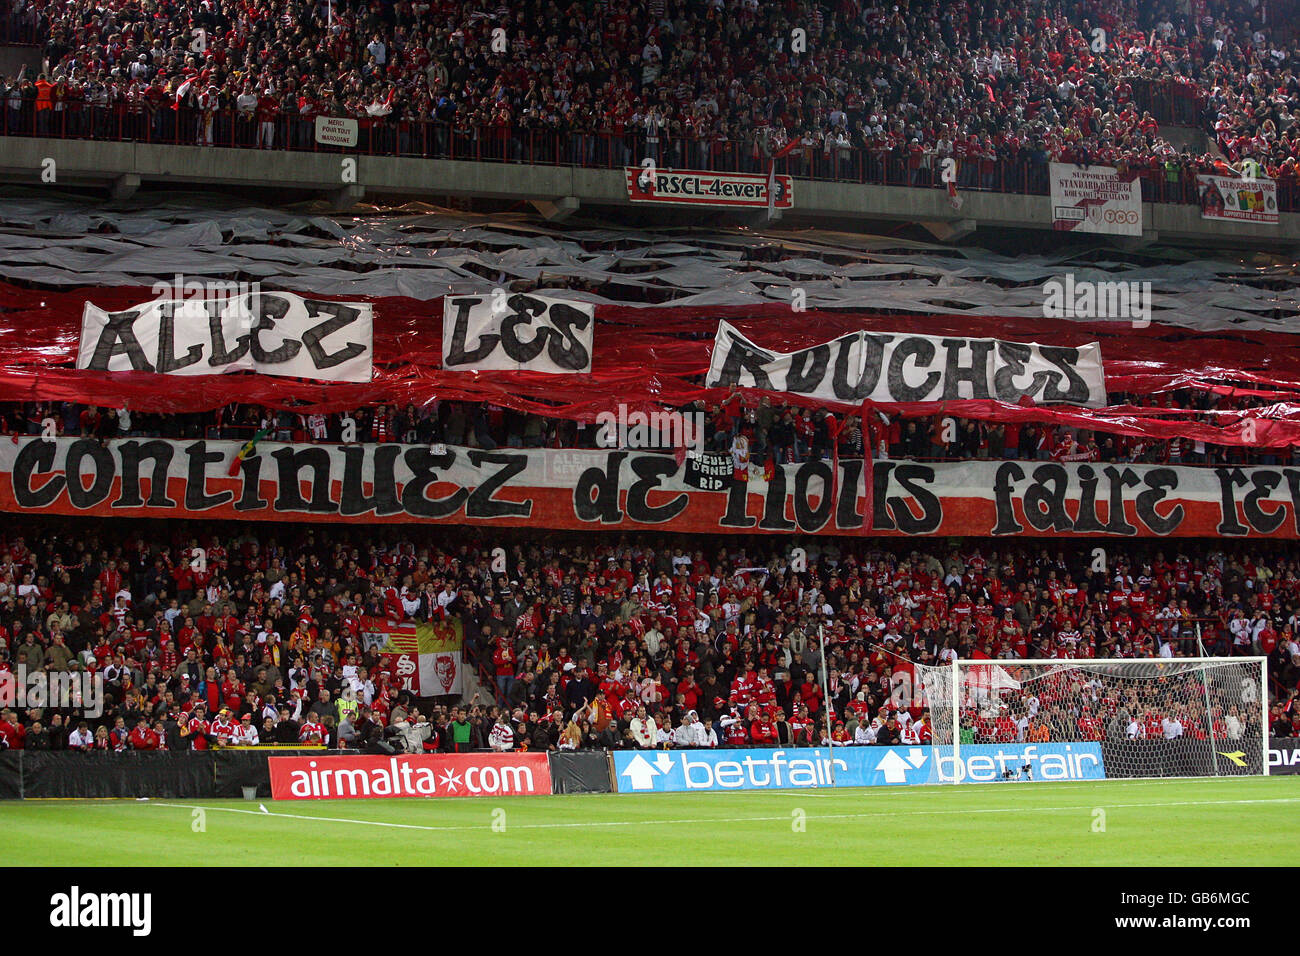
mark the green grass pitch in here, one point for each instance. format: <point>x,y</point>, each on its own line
<point>1242,821</point>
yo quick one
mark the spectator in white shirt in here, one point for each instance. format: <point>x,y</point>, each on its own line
<point>1173,727</point>
<point>691,732</point>
<point>502,737</point>
<point>245,734</point>
<point>1241,630</point>
<point>1234,725</point>
<point>81,738</point>
<point>644,730</point>
<point>865,733</point>
<point>27,591</point>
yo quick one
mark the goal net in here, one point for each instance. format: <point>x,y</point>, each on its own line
<point>1089,719</point>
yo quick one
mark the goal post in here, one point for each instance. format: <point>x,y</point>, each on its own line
<point>1091,719</point>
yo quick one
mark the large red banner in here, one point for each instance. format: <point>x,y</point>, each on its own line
<point>357,776</point>
<point>631,490</point>
<point>655,357</point>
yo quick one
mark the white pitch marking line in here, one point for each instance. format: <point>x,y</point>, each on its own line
<point>1073,786</point>
<point>712,820</point>
<point>915,790</point>
<point>299,816</point>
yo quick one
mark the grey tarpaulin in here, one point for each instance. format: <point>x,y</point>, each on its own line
<point>424,253</point>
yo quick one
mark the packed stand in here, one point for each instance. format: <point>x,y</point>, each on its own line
<point>754,431</point>
<point>873,92</point>
<point>591,642</point>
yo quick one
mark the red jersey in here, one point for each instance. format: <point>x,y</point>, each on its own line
<point>143,739</point>
<point>1006,729</point>
<point>737,736</point>
<point>1090,728</point>
<point>503,661</point>
<point>198,731</point>
<point>763,732</point>
<point>743,688</point>
<point>223,730</point>
<point>312,733</point>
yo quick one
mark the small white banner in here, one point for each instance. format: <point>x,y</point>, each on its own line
<point>1095,199</point>
<point>336,131</point>
<point>518,333</point>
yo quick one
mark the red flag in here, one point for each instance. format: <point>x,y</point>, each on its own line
<point>788,148</point>
<point>785,150</point>
<point>181,91</point>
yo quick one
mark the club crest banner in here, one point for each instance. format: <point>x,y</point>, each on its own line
<point>424,657</point>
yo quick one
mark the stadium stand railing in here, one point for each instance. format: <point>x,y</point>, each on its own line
<point>1025,173</point>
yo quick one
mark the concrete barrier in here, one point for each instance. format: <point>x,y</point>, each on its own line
<point>122,168</point>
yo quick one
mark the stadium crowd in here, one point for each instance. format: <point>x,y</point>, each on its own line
<point>753,431</point>
<point>873,91</point>
<point>586,642</point>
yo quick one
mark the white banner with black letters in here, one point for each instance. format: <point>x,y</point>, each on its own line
<point>274,333</point>
<point>625,489</point>
<point>894,367</point>
<point>336,131</point>
<point>518,333</point>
